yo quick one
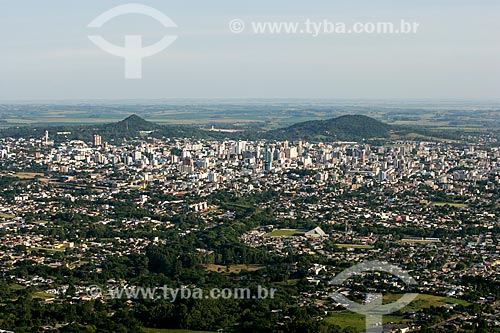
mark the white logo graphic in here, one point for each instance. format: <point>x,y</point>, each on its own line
<point>236,26</point>
<point>132,51</point>
<point>373,308</point>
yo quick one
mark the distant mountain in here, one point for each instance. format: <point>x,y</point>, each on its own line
<point>344,128</point>
<point>134,126</point>
<point>135,122</point>
<point>350,127</point>
<point>128,127</point>
<point>131,127</point>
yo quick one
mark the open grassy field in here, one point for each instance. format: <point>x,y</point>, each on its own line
<point>418,241</point>
<point>232,268</point>
<point>162,330</point>
<point>28,175</point>
<point>15,286</point>
<point>354,246</point>
<point>350,319</point>
<point>286,233</point>
<point>440,115</point>
<point>65,120</point>
<point>42,295</point>
<point>452,204</point>
<point>424,301</point>
<point>426,137</point>
<point>47,249</point>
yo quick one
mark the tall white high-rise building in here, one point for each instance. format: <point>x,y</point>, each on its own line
<point>97,140</point>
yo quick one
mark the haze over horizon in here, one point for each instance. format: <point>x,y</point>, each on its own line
<point>47,55</point>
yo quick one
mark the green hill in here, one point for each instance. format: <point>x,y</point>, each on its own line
<point>350,127</point>
<point>128,127</point>
<point>344,128</point>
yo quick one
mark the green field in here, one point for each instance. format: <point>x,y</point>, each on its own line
<point>424,301</point>
<point>419,241</point>
<point>350,319</point>
<point>42,295</point>
<point>15,287</point>
<point>286,233</point>
<point>354,246</point>
<point>232,268</point>
<point>47,249</point>
<point>420,136</point>
<point>452,204</point>
<point>164,330</point>
<point>28,175</point>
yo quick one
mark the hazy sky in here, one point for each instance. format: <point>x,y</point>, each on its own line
<point>45,52</point>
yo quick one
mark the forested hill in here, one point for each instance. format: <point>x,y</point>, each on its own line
<point>344,128</point>
<point>131,127</point>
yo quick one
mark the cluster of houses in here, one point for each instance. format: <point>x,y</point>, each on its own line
<point>429,207</point>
